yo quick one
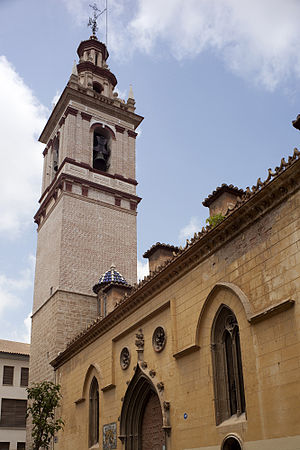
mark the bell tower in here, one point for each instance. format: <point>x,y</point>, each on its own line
<point>88,207</point>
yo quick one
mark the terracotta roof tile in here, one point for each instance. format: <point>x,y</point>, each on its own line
<point>18,348</point>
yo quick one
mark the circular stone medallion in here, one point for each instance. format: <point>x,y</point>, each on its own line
<point>125,358</point>
<point>159,339</point>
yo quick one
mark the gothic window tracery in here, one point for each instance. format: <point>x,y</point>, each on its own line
<point>94,413</point>
<point>227,366</point>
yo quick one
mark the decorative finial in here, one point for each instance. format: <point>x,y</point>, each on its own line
<point>74,69</point>
<point>93,20</point>
<point>130,95</point>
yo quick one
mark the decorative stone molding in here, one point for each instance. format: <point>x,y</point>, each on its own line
<point>139,342</point>
<point>62,121</point>
<point>132,134</point>
<point>86,116</point>
<point>119,129</point>
<point>125,358</point>
<point>71,111</point>
<point>159,339</point>
<point>143,381</point>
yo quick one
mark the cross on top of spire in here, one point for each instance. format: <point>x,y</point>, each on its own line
<point>93,20</point>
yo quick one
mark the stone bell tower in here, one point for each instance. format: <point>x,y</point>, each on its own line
<point>87,214</point>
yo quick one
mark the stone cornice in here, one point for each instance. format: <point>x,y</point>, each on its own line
<point>98,102</point>
<point>104,73</point>
<point>92,44</point>
<point>68,178</point>
<point>91,169</point>
<point>262,198</point>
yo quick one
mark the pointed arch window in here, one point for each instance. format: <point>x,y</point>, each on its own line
<point>94,413</point>
<point>227,366</point>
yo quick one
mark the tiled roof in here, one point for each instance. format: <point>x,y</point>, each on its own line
<point>18,348</point>
<point>159,245</point>
<point>112,276</point>
<point>219,190</point>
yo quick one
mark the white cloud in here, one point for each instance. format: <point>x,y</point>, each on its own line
<point>257,39</point>
<point>188,231</point>
<point>55,98</point>
<point>11,289</point>
<point>22,118</point>
<point>142,270</point>
<point>25,337</point>
<point>12,293</point>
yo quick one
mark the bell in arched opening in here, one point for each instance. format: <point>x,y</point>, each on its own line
<point>101,150</point>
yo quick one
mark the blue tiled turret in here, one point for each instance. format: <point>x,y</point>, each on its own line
<point>111,276</point>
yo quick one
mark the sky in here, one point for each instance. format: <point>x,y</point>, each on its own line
<point>218,82</point>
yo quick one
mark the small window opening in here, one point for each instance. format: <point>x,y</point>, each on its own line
<point>97,87</point>
<point>55,153</point>
<point>96,58</point>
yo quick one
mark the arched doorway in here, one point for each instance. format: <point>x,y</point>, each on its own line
<point>141,417</point>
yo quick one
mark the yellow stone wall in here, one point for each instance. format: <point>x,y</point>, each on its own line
<point>264,263</point>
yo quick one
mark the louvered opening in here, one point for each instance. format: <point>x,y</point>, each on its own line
<point>24,376</point>
<point>8,375</point>
<point>4,445</point>
<point>13,413</point>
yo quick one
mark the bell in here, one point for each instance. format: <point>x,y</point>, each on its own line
<point>99,161</point>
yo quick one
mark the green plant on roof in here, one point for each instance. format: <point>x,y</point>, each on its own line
<point>215,220</point>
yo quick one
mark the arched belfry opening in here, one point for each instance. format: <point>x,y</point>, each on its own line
<point>141,426</point>
<point>55,154</point>
<point>102,138</point>
<point>97,87</point>
<point>227,365</point>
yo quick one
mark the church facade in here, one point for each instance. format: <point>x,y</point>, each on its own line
<point>204,352</point>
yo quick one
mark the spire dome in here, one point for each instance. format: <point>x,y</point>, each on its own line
<point>112,276</point>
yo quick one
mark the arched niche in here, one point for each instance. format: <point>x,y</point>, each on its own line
<point>140,396</point>
<point>93,371</point>
<point>102,137</point>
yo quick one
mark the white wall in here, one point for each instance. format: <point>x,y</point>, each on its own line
<point>13,435</point>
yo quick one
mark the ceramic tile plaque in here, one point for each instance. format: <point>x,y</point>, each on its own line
<point>110,436</point>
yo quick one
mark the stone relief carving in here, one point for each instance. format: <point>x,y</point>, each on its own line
<point>159,339</point>
<point>125,358</point>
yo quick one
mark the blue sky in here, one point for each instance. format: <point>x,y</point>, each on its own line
<point>216,80</point>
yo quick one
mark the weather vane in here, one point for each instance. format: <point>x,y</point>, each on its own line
<point>93,20</point>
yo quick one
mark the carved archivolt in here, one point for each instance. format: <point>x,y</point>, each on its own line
<point>140,387</point>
